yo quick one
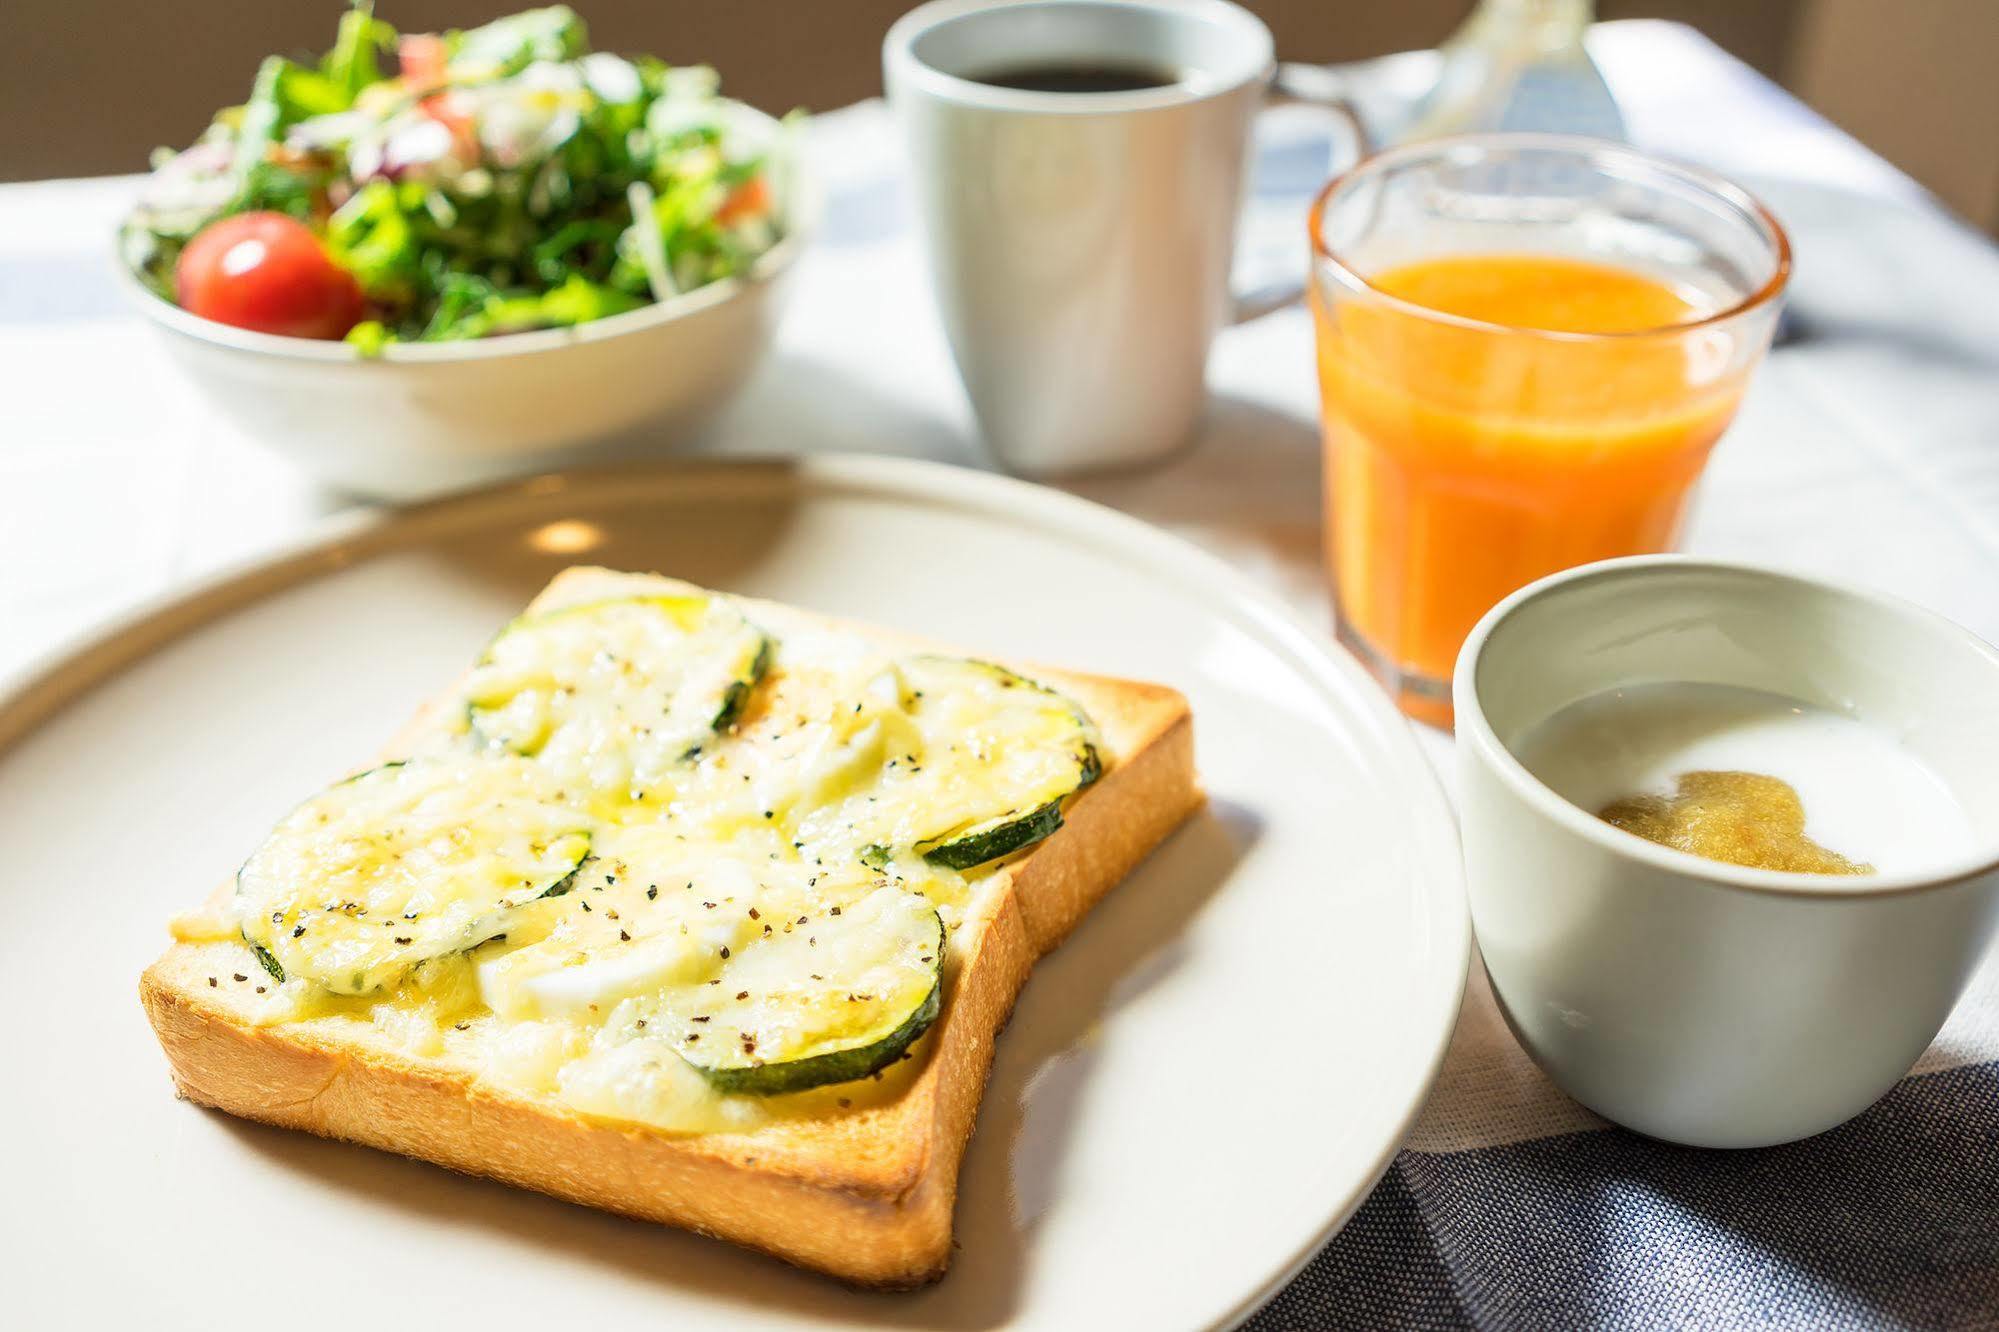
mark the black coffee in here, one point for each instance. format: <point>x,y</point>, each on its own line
<point>1080,78</point>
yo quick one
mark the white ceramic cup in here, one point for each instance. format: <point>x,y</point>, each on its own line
<point>1695,1001</point>
<point>1080,242</point>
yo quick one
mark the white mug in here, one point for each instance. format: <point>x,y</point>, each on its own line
<point>1080,242</point>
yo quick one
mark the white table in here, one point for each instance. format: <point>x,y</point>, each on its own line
<point>1868,449</point>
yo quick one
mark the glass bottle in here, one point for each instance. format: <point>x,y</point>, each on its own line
<point>1517,65</point>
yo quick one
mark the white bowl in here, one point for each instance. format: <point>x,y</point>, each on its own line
<point>1696,1001</point>
<point>421,418</point>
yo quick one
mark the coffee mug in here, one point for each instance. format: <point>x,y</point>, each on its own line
<point>1078,166</point>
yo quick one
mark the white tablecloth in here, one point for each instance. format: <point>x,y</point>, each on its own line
<point>1868,449</point>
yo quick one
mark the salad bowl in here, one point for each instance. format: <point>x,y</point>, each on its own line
<point>421,418</point>
<point>433,259</point>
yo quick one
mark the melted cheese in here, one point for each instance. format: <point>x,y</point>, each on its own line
<point>611,696</point>
<point>711,857</point>
<point>404,863</point>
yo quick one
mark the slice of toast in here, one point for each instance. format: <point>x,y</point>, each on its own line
<point>865,1195</point>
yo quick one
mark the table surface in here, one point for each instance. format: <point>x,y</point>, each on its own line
<point>1868,448</point>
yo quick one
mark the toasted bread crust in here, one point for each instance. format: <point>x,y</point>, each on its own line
<point>865,1196</point>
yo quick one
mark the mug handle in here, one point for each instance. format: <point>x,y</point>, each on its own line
<point>1307,85</point>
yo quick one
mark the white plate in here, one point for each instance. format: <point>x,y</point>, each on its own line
<point>1195,1090</point>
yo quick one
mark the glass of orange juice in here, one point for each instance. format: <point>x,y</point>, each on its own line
<point>1528,345</point>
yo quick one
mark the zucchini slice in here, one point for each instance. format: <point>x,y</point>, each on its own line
<point>968,848</point>
<point>383,872</point>
<point>648,913</point>
<point>616,694</point>
<point>832,997</point>
<point>1002,755</point>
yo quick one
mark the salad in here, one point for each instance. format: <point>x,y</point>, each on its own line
<point>429,187</point>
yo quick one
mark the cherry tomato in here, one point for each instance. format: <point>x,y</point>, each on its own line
<point>268,273</point>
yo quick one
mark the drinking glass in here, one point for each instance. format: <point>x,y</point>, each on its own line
<point>1467,456</point>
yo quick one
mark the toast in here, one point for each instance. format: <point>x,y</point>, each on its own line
<point>864,1193</point>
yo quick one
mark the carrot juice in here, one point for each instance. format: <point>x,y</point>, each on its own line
<point>1492,418</point>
